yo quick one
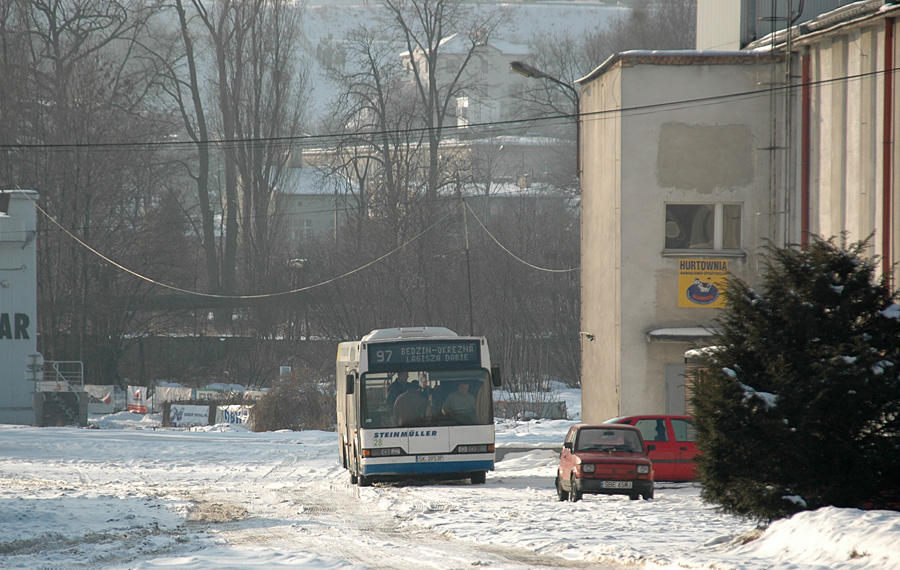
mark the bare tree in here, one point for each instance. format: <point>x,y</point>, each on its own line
<point>380,155</point>
<point>379,149</point>
<point>246,109</point>
<point>268,102</point>
<point>14,91</point>
<point>184,87</point>
<point>425,26</point>
<point>649,24</point>
<point>83,95</point>
<point>395,153</point>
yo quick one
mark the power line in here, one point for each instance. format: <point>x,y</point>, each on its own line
<point>511,254</point>
<point>303,139</point>
<point>655,107</point>
<point>240,297</point>
<point>379,259</point>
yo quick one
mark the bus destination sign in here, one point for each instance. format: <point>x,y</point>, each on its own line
<point>423,355</point>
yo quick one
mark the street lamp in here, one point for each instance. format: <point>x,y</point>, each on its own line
<point>523,68</point>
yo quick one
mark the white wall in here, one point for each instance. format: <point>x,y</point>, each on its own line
<point>18,307</point>
<point>718,24</point>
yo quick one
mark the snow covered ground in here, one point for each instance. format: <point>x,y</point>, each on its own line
<point>133,495</point>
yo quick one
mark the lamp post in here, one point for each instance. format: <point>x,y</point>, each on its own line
<point>523,68</point>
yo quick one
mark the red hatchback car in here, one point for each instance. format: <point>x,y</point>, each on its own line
<point>673,441</point>
<point>604,459</point>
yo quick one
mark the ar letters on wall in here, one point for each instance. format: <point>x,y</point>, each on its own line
<point>14,326</point>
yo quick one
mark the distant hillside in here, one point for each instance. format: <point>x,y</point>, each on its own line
<point>327,23</point>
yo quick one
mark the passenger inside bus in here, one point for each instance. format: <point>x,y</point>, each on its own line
<point>460,404</point>
<point>397,387</point>
<point>411,407</point>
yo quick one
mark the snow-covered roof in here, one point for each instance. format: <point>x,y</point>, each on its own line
<point>677,57</point>
<point>306,181</point>
<point>459,45</point>
<point>842,16</point>
<point>507,190</point>
<point>223,387</point>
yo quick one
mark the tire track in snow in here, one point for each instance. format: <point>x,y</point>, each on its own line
<point>373,527</point>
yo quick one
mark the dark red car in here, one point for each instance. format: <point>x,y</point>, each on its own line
<point>673,441</point>
<point>604,459</point>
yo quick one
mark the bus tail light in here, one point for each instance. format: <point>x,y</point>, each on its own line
<point>476,448</point>
<point>382,452</point>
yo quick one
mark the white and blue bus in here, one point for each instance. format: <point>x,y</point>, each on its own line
<point>416,403</point>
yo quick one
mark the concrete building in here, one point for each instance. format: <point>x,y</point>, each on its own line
<point>18,304</point>
<point>492,85</point>
<point>674,198</point>
<point>693,160</point>
<point>310,207</point>
<point>502,173</point>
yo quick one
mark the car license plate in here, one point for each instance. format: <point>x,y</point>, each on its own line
<point>428,458</point>
<point>616,484</point>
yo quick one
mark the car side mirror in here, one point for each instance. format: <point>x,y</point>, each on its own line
<point>496,380</point>
<point>351,382</point>
<point>567,445</point>
<point>651,447</point>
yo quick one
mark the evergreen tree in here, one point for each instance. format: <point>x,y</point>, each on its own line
<point>799,404</point>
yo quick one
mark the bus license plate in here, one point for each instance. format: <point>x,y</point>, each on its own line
<point>616,484</point>
<point>428,458</point>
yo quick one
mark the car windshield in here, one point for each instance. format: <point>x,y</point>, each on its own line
<point>608,439</point>
<point>432,398</point>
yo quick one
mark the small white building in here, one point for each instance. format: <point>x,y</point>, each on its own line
<point>676,196</point>
<point>490,84</point>
<point>18,304</point>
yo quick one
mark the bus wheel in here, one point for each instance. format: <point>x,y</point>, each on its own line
<point>478,478</point>
<point>364,481</point>
<point>353,478</point>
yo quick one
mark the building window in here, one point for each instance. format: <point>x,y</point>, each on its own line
<point>462,112</point>
<point>301,230</point>
<point>703,226</point>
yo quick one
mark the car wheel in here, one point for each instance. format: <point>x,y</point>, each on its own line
<point>561,493</point>
<point>634,497</point>
<point>648,496</point>
<point>574,493</point>
<point>479,478</point>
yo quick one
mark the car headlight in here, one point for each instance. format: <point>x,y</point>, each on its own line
<point>643,469</point>
<point>587,467</point>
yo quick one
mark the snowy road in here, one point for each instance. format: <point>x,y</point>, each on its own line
<point>151,499</point>
<point>76,498</point>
